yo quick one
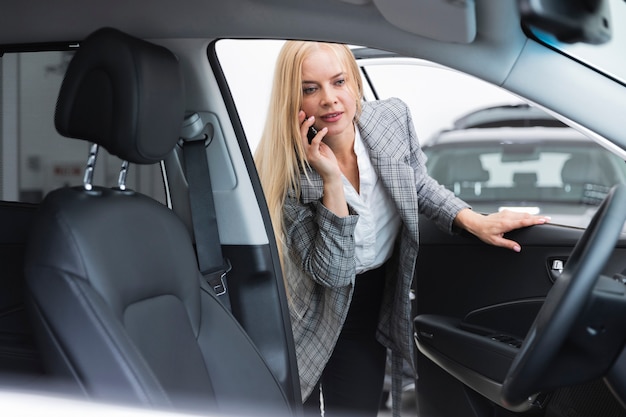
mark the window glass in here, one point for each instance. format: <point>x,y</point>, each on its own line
<point>35,159</point>
<point>437,96</point>
<point>249,68</point>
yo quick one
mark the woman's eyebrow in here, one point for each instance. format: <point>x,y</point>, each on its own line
<point>332,77</point>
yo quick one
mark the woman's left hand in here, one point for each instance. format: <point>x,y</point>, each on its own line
<point>491,228</point>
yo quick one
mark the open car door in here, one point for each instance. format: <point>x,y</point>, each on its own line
<point>539,332</point>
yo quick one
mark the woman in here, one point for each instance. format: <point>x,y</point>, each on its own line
<point>344,208</point>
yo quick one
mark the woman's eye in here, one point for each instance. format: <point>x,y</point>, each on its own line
<point>308,90</point>
<point>340,82</point>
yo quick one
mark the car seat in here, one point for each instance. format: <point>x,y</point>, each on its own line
<point>121,310</point>
<point>466,175</point>
<point>584,180</point>
<point>580,170</point>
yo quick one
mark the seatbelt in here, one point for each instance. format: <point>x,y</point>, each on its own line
<point>211,262</point>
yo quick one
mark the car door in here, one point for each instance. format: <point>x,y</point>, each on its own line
<point>472,293</point>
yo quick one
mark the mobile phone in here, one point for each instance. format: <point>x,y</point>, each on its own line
<point>311,133</point>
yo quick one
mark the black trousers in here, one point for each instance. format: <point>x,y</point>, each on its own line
<point>352,381</point>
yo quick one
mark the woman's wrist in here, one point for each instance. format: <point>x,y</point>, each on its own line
<point>334,198</point>
<point>466,219</point>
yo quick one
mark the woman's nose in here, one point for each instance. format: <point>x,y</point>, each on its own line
<point>328,97</point>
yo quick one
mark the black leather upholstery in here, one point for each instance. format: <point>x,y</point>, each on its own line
<point>124,94</point>
<point>120,306</point>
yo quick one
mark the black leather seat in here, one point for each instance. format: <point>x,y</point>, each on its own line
<point>120,307</point>
<point>580,170</point>
<point>463,174</point>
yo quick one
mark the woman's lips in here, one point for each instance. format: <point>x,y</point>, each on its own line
<point>331,117</point>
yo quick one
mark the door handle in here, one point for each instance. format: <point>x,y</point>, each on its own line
<point>555,267</point>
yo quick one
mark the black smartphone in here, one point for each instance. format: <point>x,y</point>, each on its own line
<point>311,133</point>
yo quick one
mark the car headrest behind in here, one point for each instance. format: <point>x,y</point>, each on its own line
<point>467,168</point>
<point>124,94</point>
<point>580,169</point>
<point>525,179</point>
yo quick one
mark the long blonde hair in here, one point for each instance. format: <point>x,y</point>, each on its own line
<point>280,155</point>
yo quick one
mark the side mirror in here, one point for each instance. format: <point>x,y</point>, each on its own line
<point>569,21</point>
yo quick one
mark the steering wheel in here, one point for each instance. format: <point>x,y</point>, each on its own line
<point>566,300</point>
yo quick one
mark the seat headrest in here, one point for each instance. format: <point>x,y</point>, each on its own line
<point>580,169</point>
<point>467,168</point>
<point>123,93</point>
<point>525,179</point>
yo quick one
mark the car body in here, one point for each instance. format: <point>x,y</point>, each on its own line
<point>480,301</point>
<point>524,160</point>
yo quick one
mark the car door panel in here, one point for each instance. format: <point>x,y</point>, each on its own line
<point>474,304</point>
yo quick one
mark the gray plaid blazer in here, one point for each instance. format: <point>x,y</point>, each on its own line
<point>320,266</point>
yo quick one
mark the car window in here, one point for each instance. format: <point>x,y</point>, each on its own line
<point>487,145</point>
<point>35,159</point>
<point>248,66</point>
<point>436,95</point>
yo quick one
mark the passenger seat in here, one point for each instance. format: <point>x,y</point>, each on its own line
<point>120,307</point>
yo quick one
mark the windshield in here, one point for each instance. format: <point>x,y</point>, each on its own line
<point>610,57</point>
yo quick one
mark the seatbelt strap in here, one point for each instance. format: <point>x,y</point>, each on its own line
<point>211,262</point>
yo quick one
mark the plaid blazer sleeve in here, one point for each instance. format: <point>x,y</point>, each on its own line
<point>319,274</point>
<point>320,242</point>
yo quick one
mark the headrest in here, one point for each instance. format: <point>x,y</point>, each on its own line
<point>467,168</point>
<point>525,179</point>
<point>580,169</point>
<point>124,94</point>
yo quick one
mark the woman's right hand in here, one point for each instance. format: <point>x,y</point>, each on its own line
<point>323,160</point>
<point>318,154</point>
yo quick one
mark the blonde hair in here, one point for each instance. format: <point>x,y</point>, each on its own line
<point>280,155</point>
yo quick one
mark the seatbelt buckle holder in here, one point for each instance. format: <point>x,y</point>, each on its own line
<point>220,287</point>
<point>219,283</point>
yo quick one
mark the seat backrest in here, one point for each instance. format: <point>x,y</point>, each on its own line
<point>525,179</point>
<point>580,170</point>
<point>119,304</point>
<point>17,349</point>
<point>467,168</point>
<point>463,174</point>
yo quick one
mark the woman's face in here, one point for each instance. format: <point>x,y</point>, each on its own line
<point>326,94</point>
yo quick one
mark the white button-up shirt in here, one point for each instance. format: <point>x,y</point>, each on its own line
<point>379,222</point>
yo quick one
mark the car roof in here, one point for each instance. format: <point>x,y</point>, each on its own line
<point>484,38</point>
<point>359,22</point>
<point>518,115</point>
<point>57,19</point>
<point>496,135</point>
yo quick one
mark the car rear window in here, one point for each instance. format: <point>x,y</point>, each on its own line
<point>526,172</point>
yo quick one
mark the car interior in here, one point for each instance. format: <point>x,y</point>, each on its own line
<point>139,301</point>
<point>583,175</point>
<point>148,274</point>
